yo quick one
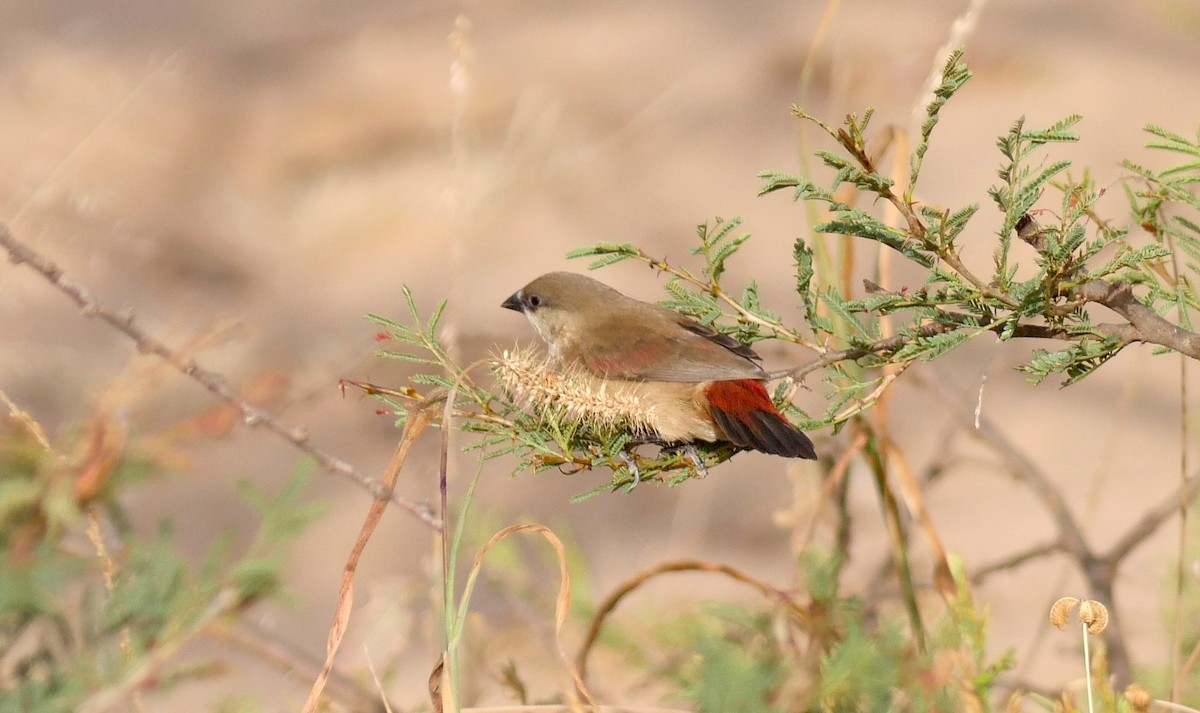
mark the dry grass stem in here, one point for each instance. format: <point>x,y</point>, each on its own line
<point>606,607</point>
<point>418,420</point>
<point>23,417</point>
<point>562,605</point>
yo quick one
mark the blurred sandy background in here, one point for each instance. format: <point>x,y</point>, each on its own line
<point>284,167</point>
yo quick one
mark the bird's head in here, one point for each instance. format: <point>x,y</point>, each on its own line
<point>560,305</point>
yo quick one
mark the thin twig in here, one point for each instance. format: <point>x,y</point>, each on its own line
<point>1070,534</point>
<point>1154,518</point>
<point>1015,560</point>
<point>952,321</point>
<point>215,383</point>
<point>779,330</point>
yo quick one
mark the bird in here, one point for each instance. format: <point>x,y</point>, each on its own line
<point>697,384</point>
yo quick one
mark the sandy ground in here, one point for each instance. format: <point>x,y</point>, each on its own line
<point>279,169</point>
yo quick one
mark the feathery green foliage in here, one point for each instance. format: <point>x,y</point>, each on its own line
<point>1035,288</point>
<point>158,599</point>
<point>730,658</point>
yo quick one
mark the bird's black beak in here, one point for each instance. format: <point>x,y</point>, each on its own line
<point>514,302</point>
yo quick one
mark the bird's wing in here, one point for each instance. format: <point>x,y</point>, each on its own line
<point>680,350</point>
<point>713,335</point>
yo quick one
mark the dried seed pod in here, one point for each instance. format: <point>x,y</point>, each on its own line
<point>1139,697</point>
<point>1094,615</point>
<point>1061,610</point>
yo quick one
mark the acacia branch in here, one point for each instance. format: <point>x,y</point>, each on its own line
<point>948,322</point>
<point>215,383</point>
<point>1145,325</point>
<point>779,330</point>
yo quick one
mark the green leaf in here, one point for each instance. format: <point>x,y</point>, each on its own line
<point>1077,361</point>
<point>627,249</point>
<point>717,245</point>
<point>929,348</point>
<point>861,224</point>
<point>953,76</point>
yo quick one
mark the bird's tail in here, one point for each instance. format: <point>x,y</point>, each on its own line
<point>744,413</point>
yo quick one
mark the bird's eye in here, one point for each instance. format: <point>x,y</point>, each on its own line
<point>535,301</point>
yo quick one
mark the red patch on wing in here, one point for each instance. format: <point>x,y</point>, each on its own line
<point>632,361</point>
<point>739,398</point>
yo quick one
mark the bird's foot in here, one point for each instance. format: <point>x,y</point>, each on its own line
<point>628,460</point>
<point>688,452</point>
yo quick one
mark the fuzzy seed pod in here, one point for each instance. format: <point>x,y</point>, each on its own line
<point>569,395</point>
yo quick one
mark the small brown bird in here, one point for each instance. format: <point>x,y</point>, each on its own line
<point>697,384</point>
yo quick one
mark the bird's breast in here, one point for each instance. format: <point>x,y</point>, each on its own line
<point>674,410</point>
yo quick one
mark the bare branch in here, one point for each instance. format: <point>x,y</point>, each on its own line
<point>1015,560</point>
<point>1151,520</point>
<point>1070,535</point>
<point>953,321</point>
<point>123,321</point>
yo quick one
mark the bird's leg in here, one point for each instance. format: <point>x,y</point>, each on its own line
<point>629,461</point>
<point>688,452</point>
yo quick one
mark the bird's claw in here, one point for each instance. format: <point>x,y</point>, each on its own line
<point>690,453</point>
<point>691,456</point>
<point>626,458</point>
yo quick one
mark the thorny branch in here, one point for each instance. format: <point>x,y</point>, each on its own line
<point>215,383</point>
<point>777,329</point>
<point>894,342</point>
<point>1143,323</point>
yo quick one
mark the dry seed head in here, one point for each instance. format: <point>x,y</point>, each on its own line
<point>569,394</point>
<point>1061,610</point>
<point>1139,697</point>
<point>1094,614</point>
